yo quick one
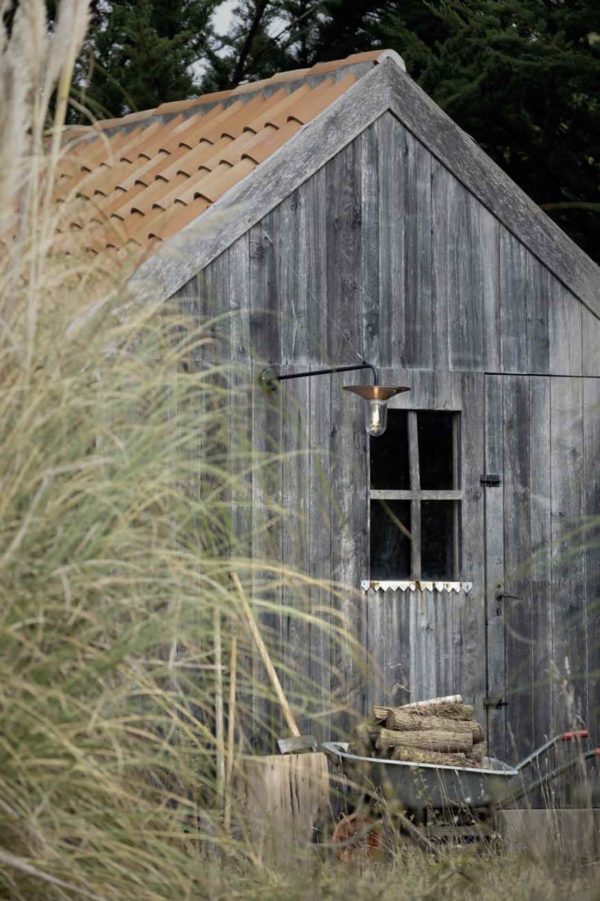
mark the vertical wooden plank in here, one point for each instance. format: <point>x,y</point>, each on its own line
<point>392,176</point>
<point>291,257</point>
<point>513,304</point>
<point>466,284</point>
<point>443,643</point>
<point>443,192</point>
<point>238,265</point>
<point>538,333</point>
<point>319,477</point>
<point>349,543</point>
<point>418,283</point>
<point>494,558</point>
<point>423,640</point>
<point>541,556</point>
<point>517,568</point>
<point>591,444</point>
<point>565,330</point>
<point>489,244</point>
<point>389,674</point>
<point>568,575</point>
<point>266,439</point>
<point>469,666</point>
<point>590,331</point>
<point>369,269</point>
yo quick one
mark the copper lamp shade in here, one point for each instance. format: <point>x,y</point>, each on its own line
<point>377,397</point>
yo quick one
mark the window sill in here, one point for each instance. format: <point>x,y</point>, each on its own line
<point>458,587</point>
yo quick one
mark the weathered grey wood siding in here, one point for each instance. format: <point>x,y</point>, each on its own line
<point>383,253</point>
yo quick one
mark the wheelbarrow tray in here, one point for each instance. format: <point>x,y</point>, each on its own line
<point>421,785</point>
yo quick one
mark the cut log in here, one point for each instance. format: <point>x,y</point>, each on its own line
<point>478,753</point>
<point>416,755</point>
<point>453,710</point>
<point>362,740</point>
<point>407,721</point>
<point>279,800</point>
<point>478,735</point>
<point>446,699</point>
<point>447,742</point>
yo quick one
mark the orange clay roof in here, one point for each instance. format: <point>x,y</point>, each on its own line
<point>136,181</point>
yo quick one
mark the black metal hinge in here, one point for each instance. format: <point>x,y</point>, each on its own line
<point>495,702</point>
<point>490,480</point>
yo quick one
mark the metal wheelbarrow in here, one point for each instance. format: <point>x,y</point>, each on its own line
<point>448,801</point>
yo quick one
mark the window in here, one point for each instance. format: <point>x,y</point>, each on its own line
<point>415,497</point>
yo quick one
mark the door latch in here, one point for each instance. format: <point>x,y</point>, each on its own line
<point>495,703</point>
<point>490,480</point>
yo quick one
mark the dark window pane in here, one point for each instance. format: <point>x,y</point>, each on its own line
<point>435,450</point>
<point>389,454</point>
<point>390,544</point>
<point>437,540</point>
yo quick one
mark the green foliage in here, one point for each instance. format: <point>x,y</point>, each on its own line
<point>523,78</point>
<point>140,53</point>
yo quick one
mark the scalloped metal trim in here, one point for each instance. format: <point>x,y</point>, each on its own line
<point>457,587</point>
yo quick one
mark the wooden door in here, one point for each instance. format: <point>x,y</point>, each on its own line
<point>538,601</point>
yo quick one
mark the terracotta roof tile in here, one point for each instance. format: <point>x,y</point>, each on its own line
<point>141,179</point>
<point>270,140</point>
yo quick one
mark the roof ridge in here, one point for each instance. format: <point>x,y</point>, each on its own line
<point>319,70</point>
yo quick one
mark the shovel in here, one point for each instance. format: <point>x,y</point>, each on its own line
<point>297,743</point>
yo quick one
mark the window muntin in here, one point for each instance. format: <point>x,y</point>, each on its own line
<point>415,497</point>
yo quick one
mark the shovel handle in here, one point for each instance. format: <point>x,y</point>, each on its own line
<point>575,735</point>
<point>266,658</point>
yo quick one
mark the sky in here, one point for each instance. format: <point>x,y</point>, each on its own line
<point>222,15</point>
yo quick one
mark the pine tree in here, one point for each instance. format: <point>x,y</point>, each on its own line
<point>141,53</point>
<point>523,78</point>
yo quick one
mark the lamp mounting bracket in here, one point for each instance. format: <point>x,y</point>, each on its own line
<point>269,378</point>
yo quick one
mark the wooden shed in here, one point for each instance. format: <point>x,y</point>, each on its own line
<point>343,216</point>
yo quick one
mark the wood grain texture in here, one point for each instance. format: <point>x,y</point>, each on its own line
<point>498,193</point>
<point>265,340</point>
<point>349,554</point>
<point>470,623</point>
<point>568,577</point>
<point>566,348</point>
<point>392,177</point>
<point>517,567</point>
<point>591,439</point>
<point>418,258</point>
<point>281,801</point>
<point>540,488</point>
<point>514,287</point>
<point>494,554</point>
<point>319,419</point>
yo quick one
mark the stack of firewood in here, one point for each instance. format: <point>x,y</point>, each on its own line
<point>442,731</point>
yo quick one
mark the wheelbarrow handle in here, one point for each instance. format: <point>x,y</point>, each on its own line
<point>573,735</point>
<point>576,735</point>
<point>549,777</point>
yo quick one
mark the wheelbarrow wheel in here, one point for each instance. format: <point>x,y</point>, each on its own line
<point>357,836</point>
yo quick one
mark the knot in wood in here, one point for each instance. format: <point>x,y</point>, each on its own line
<point>257,249</point>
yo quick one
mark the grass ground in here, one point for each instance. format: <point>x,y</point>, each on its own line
<point>456,876</point>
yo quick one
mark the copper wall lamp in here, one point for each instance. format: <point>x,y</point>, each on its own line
<point>375,395</point>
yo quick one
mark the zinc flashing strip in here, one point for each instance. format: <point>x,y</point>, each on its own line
<point>421,585</point>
